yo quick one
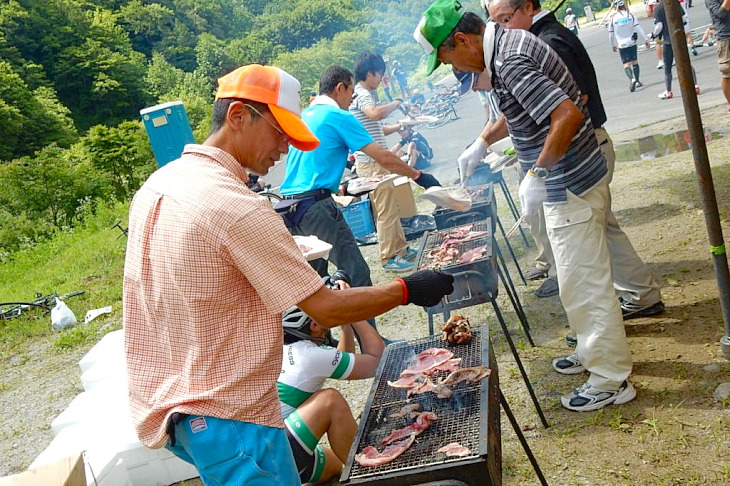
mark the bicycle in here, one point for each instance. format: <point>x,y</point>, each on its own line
<point>269,194</point>
<point>46,303</point>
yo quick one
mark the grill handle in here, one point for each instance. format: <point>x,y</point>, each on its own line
<point>466,274</point>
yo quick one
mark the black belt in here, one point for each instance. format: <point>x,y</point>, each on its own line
<point>318,193</point>
<point>175,419</point>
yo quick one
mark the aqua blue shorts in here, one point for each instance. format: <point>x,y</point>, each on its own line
<point>228,452</point>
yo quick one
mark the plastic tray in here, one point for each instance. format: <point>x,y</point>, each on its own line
<point>317,247</point>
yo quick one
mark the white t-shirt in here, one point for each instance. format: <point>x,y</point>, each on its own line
<point>305,367</point>
<point>621,29</point>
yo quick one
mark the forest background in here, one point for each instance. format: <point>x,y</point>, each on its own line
<point>75,73</point>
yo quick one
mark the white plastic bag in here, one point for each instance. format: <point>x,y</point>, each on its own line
<point>61,316</point>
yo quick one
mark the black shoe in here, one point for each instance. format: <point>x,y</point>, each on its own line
<point>571,340</point>
<point>548,288</point>
<point>536,274</point>
<point>632,311</point>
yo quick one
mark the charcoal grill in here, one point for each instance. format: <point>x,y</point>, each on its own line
<point>470,417</point>
<point>475,283</point>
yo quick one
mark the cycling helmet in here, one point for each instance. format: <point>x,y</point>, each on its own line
<point>296,328</point>
<point>568,10</point>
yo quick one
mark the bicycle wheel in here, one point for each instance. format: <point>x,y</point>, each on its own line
<point>272,197</point>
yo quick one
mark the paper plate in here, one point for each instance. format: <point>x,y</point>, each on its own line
<point>502,147</point>
<point>312,247</point>
<point>365,184</point>
<point>455,197</point>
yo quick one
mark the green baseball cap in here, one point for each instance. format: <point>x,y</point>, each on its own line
<point>435,26</point>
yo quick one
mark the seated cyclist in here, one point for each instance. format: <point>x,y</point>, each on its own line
<point>310,411</point>
<point>413,148</point>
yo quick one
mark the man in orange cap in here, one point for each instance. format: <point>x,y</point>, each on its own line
<point>210,267</point>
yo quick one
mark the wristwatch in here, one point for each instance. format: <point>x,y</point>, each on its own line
<point>540,172</point>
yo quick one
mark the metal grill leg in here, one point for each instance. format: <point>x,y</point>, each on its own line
<point>519,362</point>
<point>509,287</point>
<point>513,208</point>
<point>521,437</point>
<point>509,247</point>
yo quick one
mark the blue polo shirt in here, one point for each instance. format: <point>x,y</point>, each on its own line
<point>339,133</point>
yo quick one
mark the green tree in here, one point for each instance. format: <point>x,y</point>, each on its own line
<point>212,58</point>
<point>147,24</point>
<point>123,153</point>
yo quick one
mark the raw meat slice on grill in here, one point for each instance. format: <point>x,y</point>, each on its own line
<point>473,254</point>
<point>421,387</point>
<point>454,450</point>
<point>408,379</point>
<point>370,456</point>
<point>405,410</point>
<point>422,422</point>
<point>449,366</point>
<point>428,359</point>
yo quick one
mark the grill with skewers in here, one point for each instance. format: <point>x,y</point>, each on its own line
<point>470,417</point>
<point>483,205</point>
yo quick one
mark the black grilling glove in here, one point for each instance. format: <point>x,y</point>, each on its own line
<point>426,287</point>
<point>426,180</point>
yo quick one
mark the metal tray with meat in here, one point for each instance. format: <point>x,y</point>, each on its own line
<point>409,440</point>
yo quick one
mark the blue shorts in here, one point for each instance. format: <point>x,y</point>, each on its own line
<point>231,452</point>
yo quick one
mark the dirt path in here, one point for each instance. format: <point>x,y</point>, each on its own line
<point>673,433</point>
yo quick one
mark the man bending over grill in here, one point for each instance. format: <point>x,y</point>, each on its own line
<point>309,411</point>
<point>551,126</point>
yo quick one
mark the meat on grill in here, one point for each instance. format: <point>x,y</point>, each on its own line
<point>448,366</point>
<point>470,375</point>
<point>405,410</point>
<point>370,456</point>
<point>428,359</point>
<point>407,380</point>
<point>457,330</point>
<point>472,255</point>
<point>421,387</point>
<point>422,422</point>
<point>454,449</point>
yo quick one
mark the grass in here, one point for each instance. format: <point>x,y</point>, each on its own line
<point>90,259</point>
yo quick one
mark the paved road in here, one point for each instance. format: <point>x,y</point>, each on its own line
<point>625,110</point>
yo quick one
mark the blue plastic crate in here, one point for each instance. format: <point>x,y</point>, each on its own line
<point>359,218</point>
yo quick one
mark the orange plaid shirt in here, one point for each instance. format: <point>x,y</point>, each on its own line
<point>209,269</point>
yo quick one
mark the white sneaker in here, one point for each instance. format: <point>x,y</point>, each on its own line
<point>660,65</point>
<point>667,95</point>
<point>587,397</point>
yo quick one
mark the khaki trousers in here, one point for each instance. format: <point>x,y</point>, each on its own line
<point>391,238</point>
<point>577,232</point>
<point>632,279</point>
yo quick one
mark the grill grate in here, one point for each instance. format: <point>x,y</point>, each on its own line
<point>434,240</point>
<point>482,207</point>
<point>468,417</point>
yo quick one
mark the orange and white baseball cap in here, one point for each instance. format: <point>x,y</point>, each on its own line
<point>279,90</point>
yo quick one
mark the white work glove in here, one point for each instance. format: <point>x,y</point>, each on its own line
<point>532,193</point>
<point>470,157</point>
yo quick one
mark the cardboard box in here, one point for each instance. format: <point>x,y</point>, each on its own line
<point>65,472</point>
<point>404,193</point>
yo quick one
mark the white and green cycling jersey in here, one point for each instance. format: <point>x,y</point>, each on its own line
<point>305,367</point>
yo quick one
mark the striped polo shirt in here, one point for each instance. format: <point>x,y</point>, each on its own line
<point>363,99</point>
<point>531,81</point>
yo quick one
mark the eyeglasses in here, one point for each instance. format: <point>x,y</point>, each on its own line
<point>286,138</point>
<point>506,20</point>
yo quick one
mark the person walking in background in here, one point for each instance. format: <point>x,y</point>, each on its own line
<point>386,87</point>
<point>205,265</point>
<point>661,31</point>
<point>399,73</point>
<point>395,255</point>
<point>720,15</point>
<point>623,32</point>
<point>571,21</point>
